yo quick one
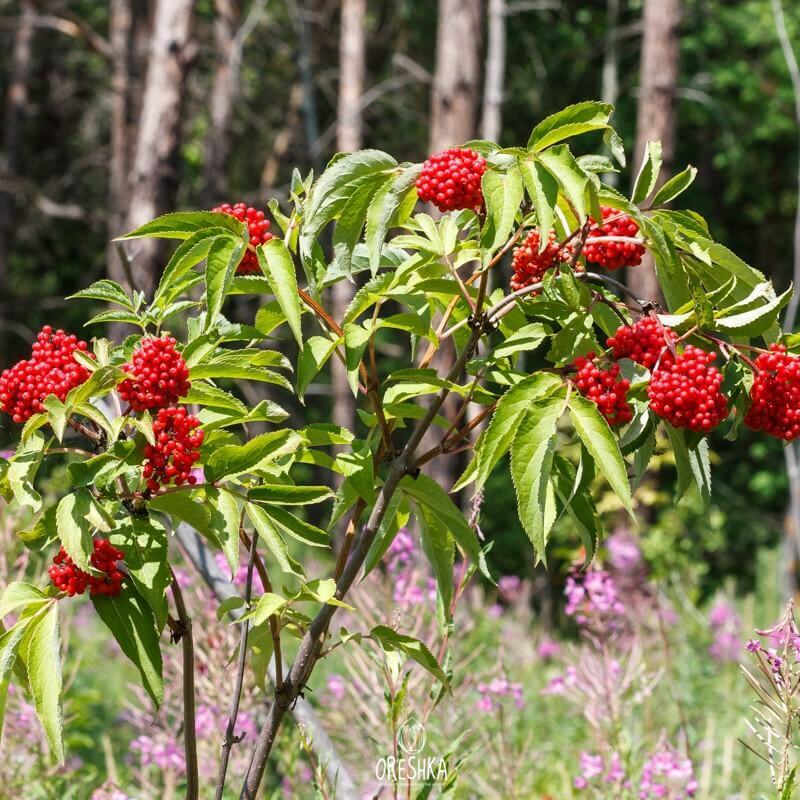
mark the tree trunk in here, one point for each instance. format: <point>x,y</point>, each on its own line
<point>352,56</point>
<point>14,116</point>
<point>121,39</point>
<point>455,102</point>
<point>610,73</point>
<point>656,117</point>
<point>153,177</point>
<point>492,118</point>
<point>223,96</point>
<point>456,80</point>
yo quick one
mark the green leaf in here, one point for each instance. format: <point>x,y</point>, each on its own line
<point>502,193</point>
<point>560,162</point>
<point>576,500</point>
<point>22,471</point>
<point>692,463</point>
<point>74,528</point>
<point>194,511</point>
<point>336,186</point>
<point>57,415</point>
<point>675,186</point>
<point>268,604</point>
<point>277,264</point>
<point>593,431</point>
<point>571,121</point>
<point>223,257</point>
<point>542,188</point>
<point>289,494</point>
<point>413,648</point>
<point>495,441</point>
<point>438,546</point>
<point>100,383</point>
<point>528,337</point>
<point>648,173</point>
<point>316,352</point>
<point>298,528</point>
<point>271,536</point>
<point>130,619</point>
<point>19,595</point>
<point>383,208</point>
<point>43,532</point>
<point>144,543</point>
<point>531,460</point>
<point>188,254</point>
<point>427,492</point>
<point>40,650</point>
<point>10,642</point>
<point>226,523</point>
<point>205,394</point>
<point>183,224</point>
<point>106,290</point>
<point>231,460</point>
<point>756,321</point>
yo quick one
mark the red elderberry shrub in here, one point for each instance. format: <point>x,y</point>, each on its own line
<point>451,180</point>
<point>685,390</point>
<point>642,342</point>
<point>160,375</point>
<point>51,369</point>
<point>775,396</point>
<point>604,387</point>
<point>69,578</point>
<point>614,255</point>
<point>257,226</point>
<point>176,450</point>
<point>529,265</point>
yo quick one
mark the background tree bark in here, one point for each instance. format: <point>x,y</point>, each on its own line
<point>349,130</point>
<point>221,102</point>
<point>153,178</point>
<point>13,119</point>
<point>455,106</point>
<point>494,83</point>
<point>656,117</point>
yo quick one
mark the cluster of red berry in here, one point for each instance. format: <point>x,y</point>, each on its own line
<point>685,390</point>
<point>51,369</point>
<point>775,396</point>
<point>257,227</point>
<point>451,180</point>
<point>642,342</point>
<point>604,387</point>
<point>529,265</point>
<point>73,580</point>
<point>159,375</point>
<point>614,254</point>
<point>176,450</point>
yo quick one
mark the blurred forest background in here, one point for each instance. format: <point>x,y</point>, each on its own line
<point>117,111</point>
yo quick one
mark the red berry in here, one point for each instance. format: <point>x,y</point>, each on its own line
<point>72,580</point>
<point>529,265</point>
<point>775,396</point>
<point>604,387</point>
<point>643,342</point>
<point>159,375</point>
<point>258,228</point>
<point>685,390</point>
<point>177,448</point>
<point>51,369</point>
<point>614,255</point>
<point>451,180</point>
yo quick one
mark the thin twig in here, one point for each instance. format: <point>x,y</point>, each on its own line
<point>274,629</point>
<point>230,736</point>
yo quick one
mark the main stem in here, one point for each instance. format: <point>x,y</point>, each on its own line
<point>312,642</point>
